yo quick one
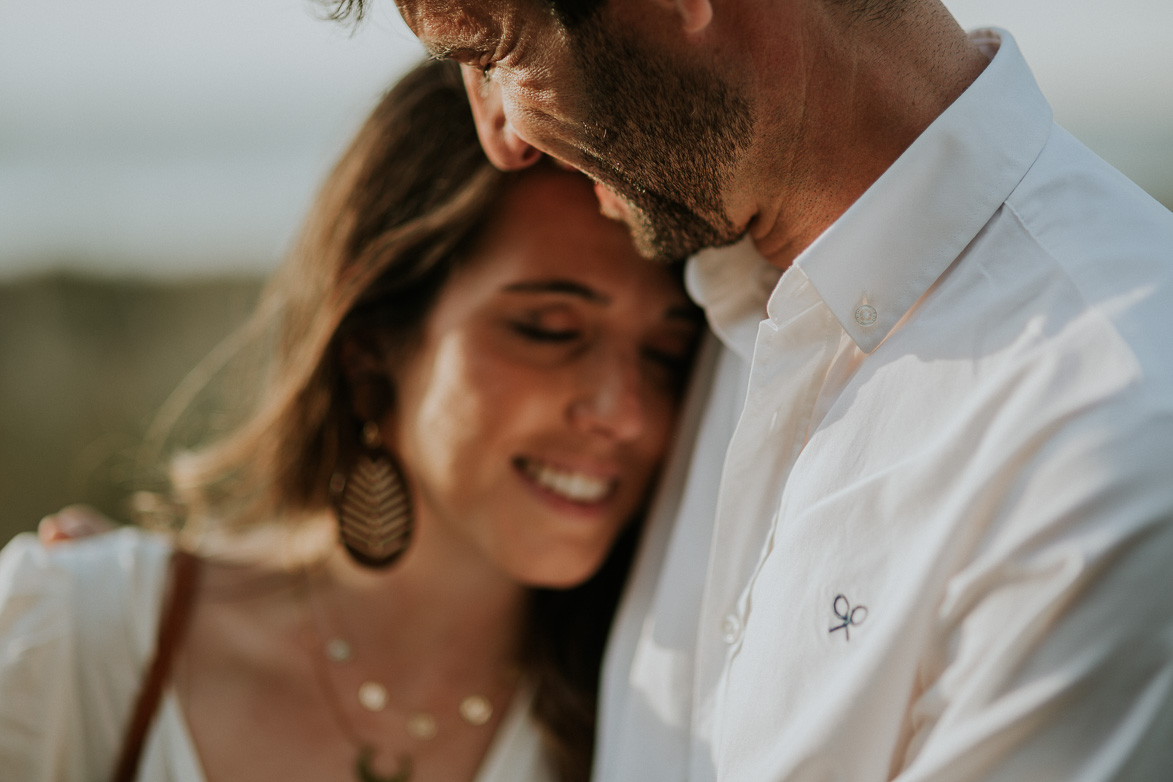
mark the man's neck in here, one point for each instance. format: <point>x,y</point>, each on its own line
<point>865,91</point>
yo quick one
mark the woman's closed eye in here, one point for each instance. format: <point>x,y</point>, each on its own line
<point>538,333</point>
<point>671,360</point>
<point>556,324</point>
<point>669,353</point>
<point>668,369</point>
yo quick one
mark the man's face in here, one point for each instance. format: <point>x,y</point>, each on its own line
<point>662,136</point>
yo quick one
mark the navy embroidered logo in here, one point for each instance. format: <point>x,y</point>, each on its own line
<point>848,616</point>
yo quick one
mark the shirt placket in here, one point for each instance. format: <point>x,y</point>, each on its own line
<point>792,352</point>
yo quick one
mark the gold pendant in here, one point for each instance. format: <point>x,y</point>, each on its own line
<point>364,772</point>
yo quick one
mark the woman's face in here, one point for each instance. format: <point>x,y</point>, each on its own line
<point>535,413</point>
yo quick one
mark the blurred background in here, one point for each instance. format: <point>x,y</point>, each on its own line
<point>155,160</point>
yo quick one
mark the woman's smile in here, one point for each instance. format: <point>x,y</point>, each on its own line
<point>585,489</point>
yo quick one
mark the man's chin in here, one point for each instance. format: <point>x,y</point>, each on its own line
<point>675,236</point>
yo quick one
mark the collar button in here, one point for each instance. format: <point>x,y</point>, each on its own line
<point>865,315</point>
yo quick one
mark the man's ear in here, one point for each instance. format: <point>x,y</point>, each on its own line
<point>505,149</point>
<point>694,15</point>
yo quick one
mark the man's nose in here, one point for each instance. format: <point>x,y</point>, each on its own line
<point>505,149</point>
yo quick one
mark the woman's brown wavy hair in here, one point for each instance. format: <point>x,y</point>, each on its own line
<point>397,215</point>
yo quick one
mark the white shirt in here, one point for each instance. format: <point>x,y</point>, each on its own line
<point>77,631</point>
<point>920,526</point>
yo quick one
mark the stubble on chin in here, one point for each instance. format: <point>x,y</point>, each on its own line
<point>665,137</point>
<point>667,231</point>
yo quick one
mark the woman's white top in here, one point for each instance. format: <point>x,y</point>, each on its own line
<point>77,633</point>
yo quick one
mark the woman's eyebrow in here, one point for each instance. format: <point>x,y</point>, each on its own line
<point>563,286</point>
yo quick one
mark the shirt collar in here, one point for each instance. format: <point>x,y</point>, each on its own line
<point>732,284</point>
<point>873,264</point>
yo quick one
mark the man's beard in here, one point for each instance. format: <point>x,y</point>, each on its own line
<point>665,138</point>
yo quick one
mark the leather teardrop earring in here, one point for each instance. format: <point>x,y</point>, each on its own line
<point>373,505</point>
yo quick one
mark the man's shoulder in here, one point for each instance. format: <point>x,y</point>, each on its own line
<point>1077,267</point>
<point>1083,211</point>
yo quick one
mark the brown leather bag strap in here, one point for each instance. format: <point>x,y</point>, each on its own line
<point>172,623</point>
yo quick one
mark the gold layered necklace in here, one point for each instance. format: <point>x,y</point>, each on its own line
<point>331,652</point>
<point>474,709</point>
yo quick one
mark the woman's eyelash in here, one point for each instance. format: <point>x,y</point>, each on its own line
<point>539,334</point>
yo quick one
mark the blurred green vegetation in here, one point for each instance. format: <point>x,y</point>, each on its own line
<point>85,364</point>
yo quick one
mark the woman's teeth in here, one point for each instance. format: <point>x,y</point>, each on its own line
<point>574,486</point>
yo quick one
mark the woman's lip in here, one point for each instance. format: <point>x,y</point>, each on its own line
<point>601,467</point>
<point>578,487</point>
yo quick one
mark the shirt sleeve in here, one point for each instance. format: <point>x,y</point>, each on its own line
<point>1058,658</point>
<point>77,627</point>
<point>36,650</point>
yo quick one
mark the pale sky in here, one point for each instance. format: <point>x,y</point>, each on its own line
<point>140,136</point>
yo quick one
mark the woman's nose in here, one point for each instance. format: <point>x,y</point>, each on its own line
<point>505,149</point>
<point>610,399</point>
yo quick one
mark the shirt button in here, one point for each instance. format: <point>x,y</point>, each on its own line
<point>730,629</point>
<point>865,315</point>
